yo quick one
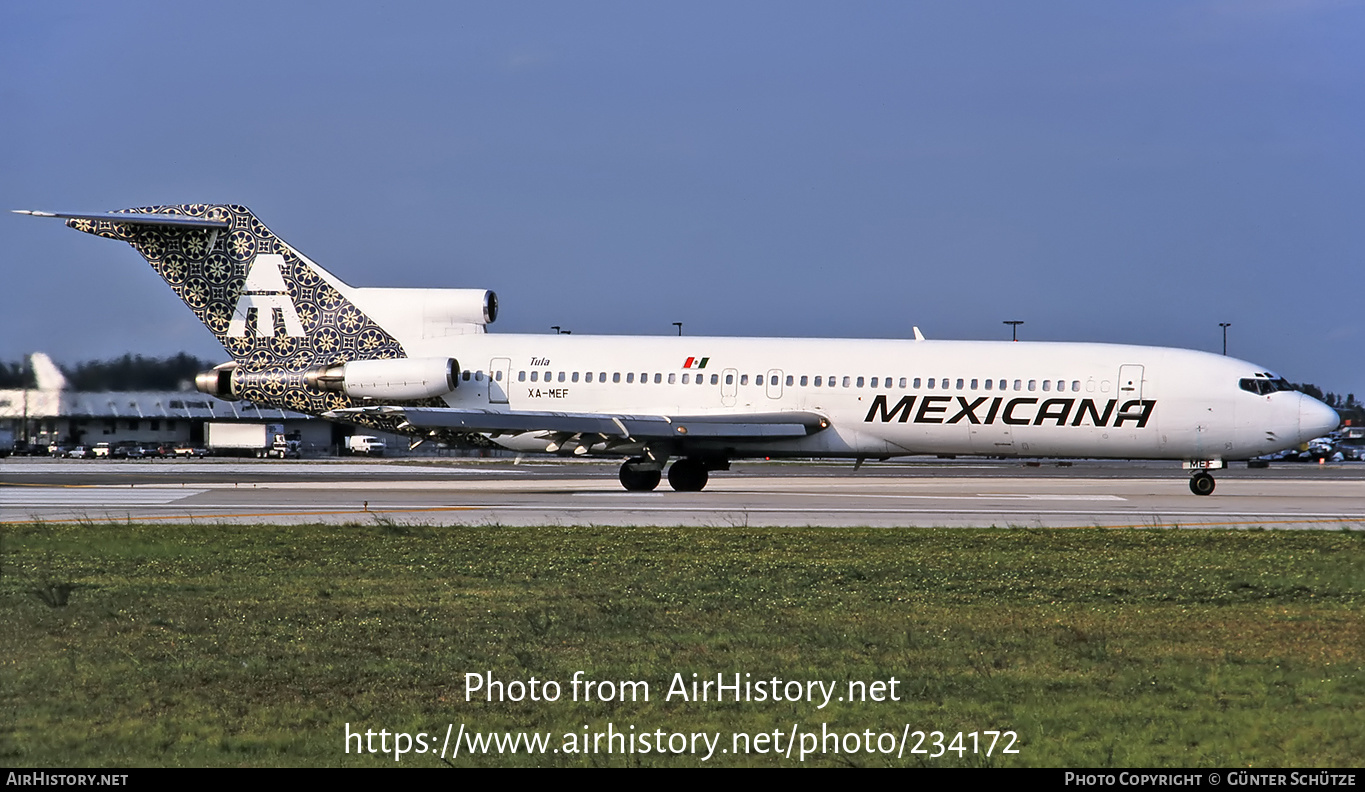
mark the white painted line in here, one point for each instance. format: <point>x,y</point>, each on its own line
<point>92,496</point>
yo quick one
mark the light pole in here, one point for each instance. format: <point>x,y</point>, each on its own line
<point>679,326</point>
<point>1225,326</point>
<point>1014,327</point>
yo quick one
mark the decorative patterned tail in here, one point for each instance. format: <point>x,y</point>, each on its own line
<point>273,310</point>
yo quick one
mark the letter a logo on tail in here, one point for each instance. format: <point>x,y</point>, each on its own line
<point>265,293</point>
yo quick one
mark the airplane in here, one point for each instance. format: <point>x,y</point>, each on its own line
<point>421,362</point>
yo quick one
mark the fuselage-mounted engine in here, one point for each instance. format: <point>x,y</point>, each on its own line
<point>399,379</point>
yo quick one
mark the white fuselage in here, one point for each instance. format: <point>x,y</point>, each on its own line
<point>897,397</point>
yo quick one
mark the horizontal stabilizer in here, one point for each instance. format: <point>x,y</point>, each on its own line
<point>134,218</point>
<point>639,427</point>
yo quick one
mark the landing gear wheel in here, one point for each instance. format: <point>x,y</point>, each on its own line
<point>636,477</point>
<point>1201,484</point>
<point>687,475</point>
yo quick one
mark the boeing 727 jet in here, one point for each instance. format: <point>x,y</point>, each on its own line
<point>421,362</point>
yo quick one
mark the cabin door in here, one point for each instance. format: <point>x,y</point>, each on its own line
<point>499,380</point>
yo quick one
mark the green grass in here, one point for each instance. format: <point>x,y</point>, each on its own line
<point>250,645</point>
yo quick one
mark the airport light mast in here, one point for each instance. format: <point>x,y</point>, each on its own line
<point>1225,326</point>
<point>1014,327</point>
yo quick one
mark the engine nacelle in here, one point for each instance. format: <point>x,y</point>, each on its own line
<point>217,381</point>
<point>428,313</point>
<point>400,379</point>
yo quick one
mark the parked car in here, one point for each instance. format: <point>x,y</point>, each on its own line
<point>79,452</point>
<point>127,449</point>
<point>101,451</point>
<point>158,450</point>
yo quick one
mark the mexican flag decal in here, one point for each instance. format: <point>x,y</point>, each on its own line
<point>696,363</point>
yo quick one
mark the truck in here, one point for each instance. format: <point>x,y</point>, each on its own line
<point>251,439</point>
<point>368,445</point>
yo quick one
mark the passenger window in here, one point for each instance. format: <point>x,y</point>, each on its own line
<point>658,378</point>
<point>988,384</point>
<point>466,375</point>
<point>478,376</point>
<point>818,381</point>
<point>803,380</point>
<point>874,382</point>
<point>497,375</point>
<point>846,381</point>
<point>931,383</point>
<point>789,380</point>
<point>587,377</point>
<point>521,376</point>
<point>959,383</point>
<point>685,377</point>
<point>1033,384</point>
<point>672,379</point>
<point>1075,385</point>
<point>616,376</point>
<point>601,376</point>
<point>1018,384</point>
<point>714,376</point>
<point>630,377</point>
<point>1047,385</point>
<point>561,376</point>
<point>743,379</point>
<point>574,378</point>
<point>830,381</point>
<point>917,380</point>
<point>944,383</point>
<point>860,382</point>
<point>534,374</point>
<point>902,382</point>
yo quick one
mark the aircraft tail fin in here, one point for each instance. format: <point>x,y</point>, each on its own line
<point>274,310</point>
<point>266,303</point>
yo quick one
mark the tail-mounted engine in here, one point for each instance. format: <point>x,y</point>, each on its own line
<point>217,381</point>
<point>401,379</point>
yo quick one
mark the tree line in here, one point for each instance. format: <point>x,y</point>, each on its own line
<point>126,373</point>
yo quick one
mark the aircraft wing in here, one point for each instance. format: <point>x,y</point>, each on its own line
<point>634,427</point>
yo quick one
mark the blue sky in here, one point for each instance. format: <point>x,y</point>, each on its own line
<point>1122,172</point>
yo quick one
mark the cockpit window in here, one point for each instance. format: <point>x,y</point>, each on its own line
<point>1264,386</point>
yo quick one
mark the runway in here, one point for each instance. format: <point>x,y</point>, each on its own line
<point>962,493</point>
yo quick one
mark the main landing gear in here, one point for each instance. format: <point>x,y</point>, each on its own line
<point>687,475</point>
<point>1201,483</point>
<point>641,474</point>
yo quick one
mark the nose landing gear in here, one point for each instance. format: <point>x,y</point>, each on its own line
<point>1201,483</point>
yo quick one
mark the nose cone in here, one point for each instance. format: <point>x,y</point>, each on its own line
<point>1315,418</point>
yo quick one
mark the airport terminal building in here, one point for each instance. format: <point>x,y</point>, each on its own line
<point>52,414</point>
